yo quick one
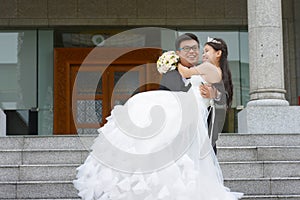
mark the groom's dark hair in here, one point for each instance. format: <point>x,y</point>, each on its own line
<point>183,37</point>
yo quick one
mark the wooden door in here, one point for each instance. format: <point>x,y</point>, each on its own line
<point>101,86</point>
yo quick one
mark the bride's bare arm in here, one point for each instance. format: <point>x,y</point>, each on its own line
<point>185,71</point>
<point>208,71</point>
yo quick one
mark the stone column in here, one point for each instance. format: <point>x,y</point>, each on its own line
<point>267,110</point>
<point>266,53</point>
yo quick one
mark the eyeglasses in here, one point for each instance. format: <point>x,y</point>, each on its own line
<point>188,48</point>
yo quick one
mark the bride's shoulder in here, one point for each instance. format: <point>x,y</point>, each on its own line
<point>210,72</point>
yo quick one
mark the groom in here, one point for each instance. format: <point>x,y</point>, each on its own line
<point>187,48</point>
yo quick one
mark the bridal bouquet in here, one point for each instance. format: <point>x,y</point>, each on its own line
<point>167,62</point>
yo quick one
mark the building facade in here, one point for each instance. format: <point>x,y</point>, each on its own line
<point>36,36</point>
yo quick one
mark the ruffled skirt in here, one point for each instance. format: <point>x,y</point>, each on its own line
<point>123,167</point>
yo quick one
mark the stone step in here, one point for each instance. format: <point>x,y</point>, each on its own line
<point>42,156</point>
<point>271,197</point>
<point>265,186</point>
<point>243,139</point>
<point>259,153</point>
<point>37,190</point>
<point>65,189</point>
<point>226,139</point>
<point>38,172</point>
<point>253,197</point>
<point>260,169</point>
<point>84,142</point>
<point>60,172</point>
<point>46,142</point>
<point>44,199</point>
<point>77,156</point>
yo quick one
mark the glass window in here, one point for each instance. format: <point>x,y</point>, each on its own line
<point>244,62</point>
<point>45,82</point>
<point>26,81</point>
<point>9,48</point>
<point>18,84</point>
<point>18,80</point>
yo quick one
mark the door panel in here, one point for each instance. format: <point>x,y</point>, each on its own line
<point>106,79</point>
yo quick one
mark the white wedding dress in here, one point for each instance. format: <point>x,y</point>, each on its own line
<point>155,147</point>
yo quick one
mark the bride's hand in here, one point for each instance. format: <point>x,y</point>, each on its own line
<point>184,71</point>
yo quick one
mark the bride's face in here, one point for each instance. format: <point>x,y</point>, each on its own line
<point>211,55</point>
<point>188,53</point>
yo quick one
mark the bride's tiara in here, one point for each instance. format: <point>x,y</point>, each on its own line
<point>209,39</point>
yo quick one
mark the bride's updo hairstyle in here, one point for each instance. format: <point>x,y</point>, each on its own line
<point>219,44</point>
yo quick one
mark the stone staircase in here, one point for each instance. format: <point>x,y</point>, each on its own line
<point>262,166</point>
<point>40,167</point>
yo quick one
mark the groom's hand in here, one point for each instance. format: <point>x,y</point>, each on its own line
<point>208,91</point>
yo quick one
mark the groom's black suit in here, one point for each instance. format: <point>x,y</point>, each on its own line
<point>173,81</point>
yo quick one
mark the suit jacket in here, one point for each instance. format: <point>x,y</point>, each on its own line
<point>172,81</point>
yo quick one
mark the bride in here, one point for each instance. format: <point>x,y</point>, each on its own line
<point>156,147</point>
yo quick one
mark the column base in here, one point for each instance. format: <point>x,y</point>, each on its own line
<point>269,119</point>
<point>268,102</point>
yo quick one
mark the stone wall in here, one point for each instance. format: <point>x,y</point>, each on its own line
<point>16,13</point>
